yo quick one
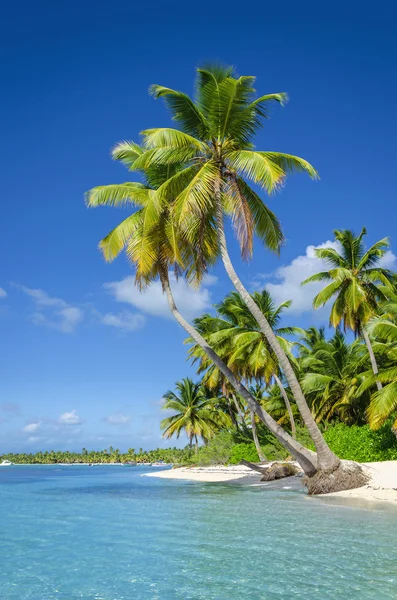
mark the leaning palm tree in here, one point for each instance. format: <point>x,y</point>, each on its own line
<point>357,283</point>
<point>153,244</point>
<point>215,144</point>
<point>194,413</point>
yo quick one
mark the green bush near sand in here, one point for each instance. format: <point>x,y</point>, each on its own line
<point>362,444</point>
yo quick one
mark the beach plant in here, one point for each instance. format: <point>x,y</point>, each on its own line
<point>382,329</point>
<point>357,283</point>
<point>194,414</point>
<point>235,335</point>
<point>331,380</point>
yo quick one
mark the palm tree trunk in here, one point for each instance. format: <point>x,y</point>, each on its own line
<point>196,446</point>
<point>239,412</point>
<point>372,357</point>
<point>259,450</point>
<point>287,404</point>
<point>232,416</point>
<point>327,460</point>
<point>305,457</point>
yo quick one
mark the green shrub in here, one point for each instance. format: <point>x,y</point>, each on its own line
<point>243,451</point>
<point>362,444</point>
<point>217,452</point>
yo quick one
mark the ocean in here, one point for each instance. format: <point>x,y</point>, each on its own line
<point>108,533</point>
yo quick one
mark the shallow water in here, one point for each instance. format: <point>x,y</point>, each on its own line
<point>106,533</point>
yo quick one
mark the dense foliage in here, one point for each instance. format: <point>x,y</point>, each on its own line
<point>255,372</point>
<point>111,455</point>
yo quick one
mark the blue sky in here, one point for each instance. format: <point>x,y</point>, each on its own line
<point>85,358</point>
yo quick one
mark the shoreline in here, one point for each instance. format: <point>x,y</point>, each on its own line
<point>382,486</point>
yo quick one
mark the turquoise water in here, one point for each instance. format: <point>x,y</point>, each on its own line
<point>107,533</point>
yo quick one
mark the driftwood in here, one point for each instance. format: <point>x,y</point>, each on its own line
<point>254,466</point>
<point>273,471</point>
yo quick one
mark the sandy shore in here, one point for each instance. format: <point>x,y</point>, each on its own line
<point>213,474</point>
<point>381,487</point>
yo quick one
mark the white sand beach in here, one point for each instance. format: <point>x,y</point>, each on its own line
<point>381,487</point>
<point>212,474</point>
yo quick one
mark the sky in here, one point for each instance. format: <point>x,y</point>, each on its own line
<point>85,358</point>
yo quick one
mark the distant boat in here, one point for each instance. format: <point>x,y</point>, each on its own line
<point>143,464</point>
<point>159,464</point>
<point>130,463</point>
<point>6,463</point>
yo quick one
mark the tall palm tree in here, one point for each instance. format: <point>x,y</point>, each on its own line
<point>237,338</point>
<point>355,281</point>
<point>194,413</point>
<point>154,246</point>
<point>215,143</point>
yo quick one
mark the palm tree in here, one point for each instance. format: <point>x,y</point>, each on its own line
<point>332,377</point>
<point>356,281</point>
<point>309,340</point>
<point>236,337</point>
<point>382,330</point>
<point>153,244</point>
<point>194,413</point>
<point>215,144</point>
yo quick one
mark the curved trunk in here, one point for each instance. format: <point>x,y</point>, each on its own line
<point>196,446</point>
<point>305,457</point>
<point>259,450</point>
<point>372,357</point>
<point>326,458</point>
<point>287,404</point>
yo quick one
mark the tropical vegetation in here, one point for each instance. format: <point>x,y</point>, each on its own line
<point>190,180</point>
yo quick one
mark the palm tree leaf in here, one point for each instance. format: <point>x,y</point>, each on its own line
<point>117,239</point>
<point>257,167</point>
<point>383,404</point>
<point>184,110</point>
<point>267,226</point>
<point>127,152</point>
<point>323,276</point>
<point>166,137</point>
<point>326,294</point>
<point>373,254</point>
<point>117,195</point>
<point>290,163</point>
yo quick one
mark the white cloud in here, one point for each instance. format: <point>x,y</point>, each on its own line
<point>53,312</point>
<point>41,297</point>
<point>289,278</point>
<point>117,419</point>
<point>190,301</point>
<point>125,320</point>
<point>70,418</point>
<point>3,293</point>
<point>388,260</point>
<point>31,427</point>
